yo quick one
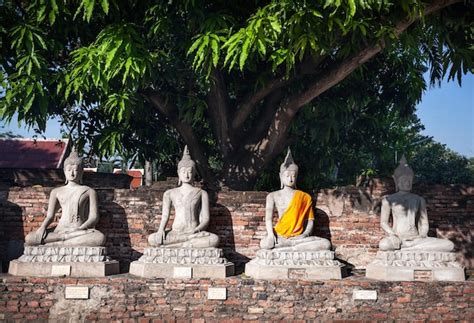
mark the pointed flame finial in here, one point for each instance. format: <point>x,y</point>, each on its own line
<point>288,163</point>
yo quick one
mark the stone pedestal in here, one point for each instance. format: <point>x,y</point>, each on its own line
<point>415,266</point>
<point>45,261</point>
<point>182,263</point>
<point>309,265</point>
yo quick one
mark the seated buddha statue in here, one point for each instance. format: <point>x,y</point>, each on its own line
<point>191,205</point>
<point>79,212</point>
<point>295,215</point>
<point>409,229</point>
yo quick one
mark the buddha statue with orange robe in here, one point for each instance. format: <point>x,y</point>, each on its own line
<point>295,223</point>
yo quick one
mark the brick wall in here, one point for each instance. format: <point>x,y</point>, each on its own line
<point>348,216</point>
<point>125,297</point>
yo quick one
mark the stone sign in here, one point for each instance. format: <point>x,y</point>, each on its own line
<point>77,292</point>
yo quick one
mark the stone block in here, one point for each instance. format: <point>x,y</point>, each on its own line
<point>78,269</point>
<point>165,262</point>
<point>294,265</point>
<point>157,270</point>
<point>415,265</point>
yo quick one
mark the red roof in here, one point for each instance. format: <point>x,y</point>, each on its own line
<point>30,153</point>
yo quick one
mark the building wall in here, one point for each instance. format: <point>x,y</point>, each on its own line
<point>348,216</point>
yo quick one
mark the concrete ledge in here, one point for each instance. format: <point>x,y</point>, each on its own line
<point>406,273</point>
<point>77,269</point>
<point>259,271</point>
<point>155,270</point>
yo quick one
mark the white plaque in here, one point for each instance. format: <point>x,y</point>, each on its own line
<point>217,293</point>
<point>77,292</point>
<point>365,295</point>
<point>183,272</point>
<point>60,270</point>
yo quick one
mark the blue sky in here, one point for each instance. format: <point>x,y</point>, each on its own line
<point>447,112</point>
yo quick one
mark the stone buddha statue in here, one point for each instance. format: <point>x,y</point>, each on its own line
<point>410,225</point>
<point>79,212</point>
<point>295,215</point>
<point>191,205</point>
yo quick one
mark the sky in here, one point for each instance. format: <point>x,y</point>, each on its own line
<point>447,112</point>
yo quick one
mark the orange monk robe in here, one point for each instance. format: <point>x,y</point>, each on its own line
<point>291,223</point>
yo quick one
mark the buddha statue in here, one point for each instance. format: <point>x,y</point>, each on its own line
<point>79,212</point>
<point>410,225</point>
<point>191,205</point>
<point>295,215</point>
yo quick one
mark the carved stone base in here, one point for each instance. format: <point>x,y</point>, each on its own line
<point>309,265</point>
<point>64,269</point>
<point>154,270</point>
<point>63,254</point>
<point>45,261</point>
<point>182,263</point>
<point>415,265</point>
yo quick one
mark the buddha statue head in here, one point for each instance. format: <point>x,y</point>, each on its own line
<point>403,176</point>
<point>73,168</point>
<point>288,171</point>
<point>186,168</point>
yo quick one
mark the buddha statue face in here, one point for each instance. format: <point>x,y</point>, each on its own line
<point>73,173</point>
<point>404,183</point>
<point>288,178</point>
<point>186,174</point>
<point>288,171</point>
<point>73,169</point>
<point>403,176</point>
<point>186,168</point>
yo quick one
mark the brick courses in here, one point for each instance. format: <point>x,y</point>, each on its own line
<point>124,297</point>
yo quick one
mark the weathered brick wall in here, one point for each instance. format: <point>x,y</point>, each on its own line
<point>125,297</point>
<point>348,216</point>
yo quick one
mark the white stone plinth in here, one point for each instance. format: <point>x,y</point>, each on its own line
<point>415,265</point>
<point>308,265</point>
<point>169,262</point>
<point>78,269</point>
<point>47,261</point>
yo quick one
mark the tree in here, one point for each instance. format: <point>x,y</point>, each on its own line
<point>433,162</point>
<point>226,79</point>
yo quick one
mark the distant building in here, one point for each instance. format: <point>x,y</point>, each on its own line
<point>33,153</point>
<point>137,175</point>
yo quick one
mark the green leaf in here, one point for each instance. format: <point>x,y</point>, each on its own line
<point>89,9</point>
<point>352,7</point>
<point>105,5</point>
<point>245,53</point>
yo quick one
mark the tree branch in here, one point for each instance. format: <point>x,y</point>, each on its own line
<point>217,102</point>
<point>184,129</point>
<point>272,143</point>
<point>252,100</point>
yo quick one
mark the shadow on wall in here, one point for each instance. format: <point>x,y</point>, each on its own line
<point>321,224</point>
<point>221,223</point>
<point>11,230</point>
<point>113,223</point>
<point>464,244</point>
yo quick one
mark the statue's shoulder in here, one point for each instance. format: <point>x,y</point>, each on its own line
<point>387,199</point>
<point>274,194</point>
<point>170,192</point>
<point>305,195</point>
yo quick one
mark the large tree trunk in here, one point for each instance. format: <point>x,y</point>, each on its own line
<point>240,176</point>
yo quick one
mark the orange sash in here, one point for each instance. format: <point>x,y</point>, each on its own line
<point>291,223</point>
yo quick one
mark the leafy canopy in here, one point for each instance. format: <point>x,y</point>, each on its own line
<point>230,78</point>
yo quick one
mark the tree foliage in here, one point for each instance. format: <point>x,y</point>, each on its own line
<point>433,162</point>
<point>235,82</point>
